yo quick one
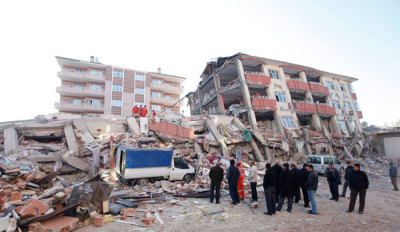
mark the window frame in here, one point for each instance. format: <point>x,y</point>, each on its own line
<point>142,77</point>
<point>155,92</point>
<point>274,74</point>
<point>159,109</point>
<point>117,88</point>
<point>288,121</point>
<point>139,91</point>
<point>113,101</point>
<point>280,96</point>
<point>119,72</point>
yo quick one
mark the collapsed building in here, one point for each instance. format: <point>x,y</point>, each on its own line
<point>291,109</point>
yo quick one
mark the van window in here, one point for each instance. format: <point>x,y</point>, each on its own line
<point>337,161</point>
<point>180,163</point>
<point>314,160</point>
<point>328,160</point>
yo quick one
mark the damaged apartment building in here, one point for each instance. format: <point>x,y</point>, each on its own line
<point>90,87</point>
<point>292,106</point>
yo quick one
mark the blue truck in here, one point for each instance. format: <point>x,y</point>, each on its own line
<point>143,165</point>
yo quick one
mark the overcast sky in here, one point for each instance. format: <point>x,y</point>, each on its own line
<point>354,38</point>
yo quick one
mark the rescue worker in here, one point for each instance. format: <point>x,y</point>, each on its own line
<point>232,174</point>
<point>154,114</point>
<point>140,111</point>
<point>144,111</point>
<point>135,110</point>
<point>240,185</point>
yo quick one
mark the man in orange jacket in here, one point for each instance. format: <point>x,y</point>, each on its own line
<point>144,112</point>
<point>135,110</point>
<point>241,180</point>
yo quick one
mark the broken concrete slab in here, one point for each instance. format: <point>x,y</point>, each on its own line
<point>75,161</point>
<point>133,125</point>
<point>42,158</point>
<point>88,137</point>
<point>60,224</point>
<point>10,140</point>
<point>213,129</point>
<point>71,139</point>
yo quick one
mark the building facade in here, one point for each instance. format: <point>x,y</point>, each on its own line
<point>280,95</point>
<point>90,87</point>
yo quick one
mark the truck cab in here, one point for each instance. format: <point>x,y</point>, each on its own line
<point>151,164</point>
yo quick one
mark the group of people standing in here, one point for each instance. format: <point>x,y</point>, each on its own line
<point>288,182</point>
<point>141,111</point>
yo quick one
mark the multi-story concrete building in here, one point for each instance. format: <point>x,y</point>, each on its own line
<point>90,87</point>
<point>280,95</point>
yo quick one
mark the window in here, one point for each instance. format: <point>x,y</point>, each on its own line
<point>117,88</point>
<point>336,104</point>
<point>78,86</point>
<point>342,125</point>
<point>118,74</point>
<point>336,161</point>
<point>156,107</point>
<point>314,160</point>
<point>330,85</point>
<point>342,87</point>
<point>347,105</point>
<point>328,160</point>
<point>156,81</point>
<point>155,94</point>
<point>280,96</point>
<point>356,104</point>
<point>94,102</point>
<point>168,109</point>
<point>96,87</point>
<point>77,102</point>
<point>139,77</point>
<point>139,103</point>
<point>351,88</point>
<point>288,121</point>
<point>116,103</point>
<point>139,91</point>
<point>96,72</point>
<point>180,163</point>
<point>274,73</point>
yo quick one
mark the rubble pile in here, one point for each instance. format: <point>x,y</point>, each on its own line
<point>52,167</point>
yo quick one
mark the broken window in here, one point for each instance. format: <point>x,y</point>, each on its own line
<point>274,73</point>
<point>156,81</point>
<point>116,103</point>
<point>356,104</point>
<point>342,125</point>
<point>117,88</point>
<point>118,74</point>
<point>342,87</point>
<point>287,121</point>
<point>280,96</point>
<point>336,104</point>
<point>330,85</point>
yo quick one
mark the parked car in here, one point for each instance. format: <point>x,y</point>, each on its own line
<point>139,166</point>
<point>321,163</point>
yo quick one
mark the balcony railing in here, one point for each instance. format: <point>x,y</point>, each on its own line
<point>305,107</point>
<point>80,76</point>
<point>298,85</point>
<point>167,88</point>
<point>263,103</point>
<point>166,101</point>
<point>318,88</point>
<point>84,91</point>
<point>326,109</point>
<point>258,79</point>
<point>70,106</point>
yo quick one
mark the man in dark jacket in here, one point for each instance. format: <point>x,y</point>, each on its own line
<point>269,185</point>
<point>232,174</point>
<point>287,183</point>
<point>303,176</point>
<point>295,171</point>
<point>312,186</point>
<point>277,169</point>
<point>393,175</point>
<point>334,180</point>
<point>347,173</point>
<point>359,184</point>
<point>216,176</point>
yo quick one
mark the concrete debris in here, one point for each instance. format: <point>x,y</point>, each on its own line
<point>47,164</point>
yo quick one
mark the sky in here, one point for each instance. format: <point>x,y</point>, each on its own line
<point>355,38</point>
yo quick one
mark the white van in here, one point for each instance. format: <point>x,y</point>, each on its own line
<point>321,163</point>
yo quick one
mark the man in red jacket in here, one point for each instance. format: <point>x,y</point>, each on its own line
<point>144,112</point>
<point>135,110</point>
<point>241,181</point>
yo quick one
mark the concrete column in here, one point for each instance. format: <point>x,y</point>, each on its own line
<point>334,125</point>
<point>10,140</point>
<point>200,100</point>
<point>220,99</point>
<point>246,95</point>
<point>316,122</point>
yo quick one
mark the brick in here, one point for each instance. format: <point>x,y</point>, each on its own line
<point>98,221</point>
<point>15,196</point>
<point>124,217</point>
<point>130,212</point>
<point>7,191</point>
<point>34,208</point>
<point>60,224</point>
<point>36,226</point>
<point>148,221</point>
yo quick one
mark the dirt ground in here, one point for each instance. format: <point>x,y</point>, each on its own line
<point>381,214</point>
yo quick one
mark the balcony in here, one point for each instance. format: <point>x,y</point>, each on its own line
<point>69,106</point>
<point>305,107</point>
<point>297,86</point>
<point>80,92</point>
<point>326,109</point>
<point>318,89</point>
<point>360,115</point>
<point>80,76</point>
<point>166,101</point>
<point>264,103</point>
<point>258,79</point>
<point>353,96</point>
<point>166,88</point>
